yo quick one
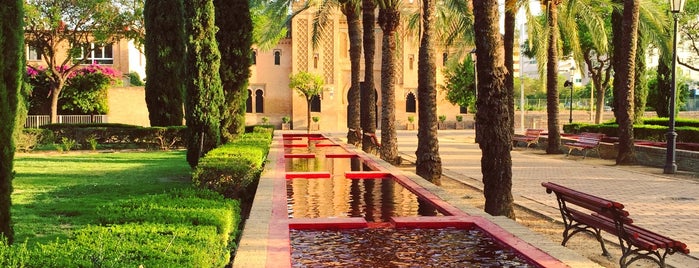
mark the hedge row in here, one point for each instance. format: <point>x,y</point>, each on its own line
<point>234,168</point>
<point>640,132</point>
<point>182,228</point>
<point>115,135</point>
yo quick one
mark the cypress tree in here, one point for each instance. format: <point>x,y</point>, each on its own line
<point>234,39</point>
<point>204,96</point>
<point>165,53</point>
<point>11,69</point>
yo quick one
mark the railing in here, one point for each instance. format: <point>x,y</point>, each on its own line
<point>35,121</point>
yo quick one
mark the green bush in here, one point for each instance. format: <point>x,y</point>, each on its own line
<point>135,79</point>
<point>640,132</point>
<point>234,168</point>
<point>182,228</point>
<point>120,136</point>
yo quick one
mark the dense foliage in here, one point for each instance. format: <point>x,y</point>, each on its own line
<point>165,54</point>
<point>460,83</point>
<point>11,55</point>
<point>204,93</point>
<point>109,136</point>
<point>85,92</point>
<point>234,39</point>
<point>233,169</point>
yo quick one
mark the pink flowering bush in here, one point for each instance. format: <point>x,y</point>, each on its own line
<point>85,91</point>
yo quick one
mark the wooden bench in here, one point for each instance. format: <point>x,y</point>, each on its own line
<point>586,141</point>
<point>531,136</point>
<point>592,214</point>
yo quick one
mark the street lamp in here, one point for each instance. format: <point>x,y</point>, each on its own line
<point>676,7</point>
<point>475,84</point>
<point>570,84</point>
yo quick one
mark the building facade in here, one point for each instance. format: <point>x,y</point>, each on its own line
<point>271,97</point>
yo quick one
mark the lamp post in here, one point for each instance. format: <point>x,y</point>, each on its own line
<point>676,7</point>
<point>475,84</point>
<point>570,83</point>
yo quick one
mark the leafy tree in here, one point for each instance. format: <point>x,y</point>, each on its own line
<point>204,96</point>
<point>52,25</point>
<point>234,39</point>
<point>165,55</point>
<point>493,111</point>
<point>389,20</point>
<point>460,83</point>
<point>11,62</point>
<point>428,163</point>
<point>307,85</point>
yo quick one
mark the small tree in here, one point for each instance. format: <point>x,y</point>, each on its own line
<point>307,85</point>
<point>460,84</point>
<point>83,26</point>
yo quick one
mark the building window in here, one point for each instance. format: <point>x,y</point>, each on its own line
<point>248,102</point>
<point>463,109</point>
<point>33,53</point>
<point>411,58</point>
<point>445,58</point>
<point>315,103</point>
<point>277,57</point>
<point>98,54</point>
<point>410,103</point>
<point>259,101</point>
<point>254,57</point>
<point>315,60</point>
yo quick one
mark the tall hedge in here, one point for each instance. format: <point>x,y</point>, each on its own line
<point>11,69</point>
<point>204,96</point>
<point>165,54</point>
<point>234,41</point>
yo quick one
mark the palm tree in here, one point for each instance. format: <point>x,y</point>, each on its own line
<point>349,8</point>
<point>428,164</point>
<point>389,20</point>
<point>492,117</point>
<point>368,93</point>
<point>554,135</point>
<point>625,39</point>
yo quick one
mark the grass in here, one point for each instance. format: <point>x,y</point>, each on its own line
<point>55,194</point>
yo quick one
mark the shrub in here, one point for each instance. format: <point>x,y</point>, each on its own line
<point>135,79</point>
<point>459,118</point>
<point>411,119</point>
<point>315,119</point>
<point>286,119</point>
<point>121,135</point>
<point>234,168</point>
<point>31,138</point>
<point>68,144</point>
<point>442,118</point>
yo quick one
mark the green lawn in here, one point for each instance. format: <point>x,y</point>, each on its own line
<point>54,194</point>
<point>138,207</point>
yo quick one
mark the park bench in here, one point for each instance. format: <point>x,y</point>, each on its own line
<point>531,136</point>
<point>586,141</point>
<point>609,216</point>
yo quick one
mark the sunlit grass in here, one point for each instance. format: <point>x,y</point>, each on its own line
<point>55,194</point>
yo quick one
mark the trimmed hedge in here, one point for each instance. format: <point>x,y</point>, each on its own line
<point>121,135</point>
<point>233,169</point>
<point>182,228</point>
<point>640,132</point>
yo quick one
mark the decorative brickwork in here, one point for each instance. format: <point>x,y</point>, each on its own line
<point>328,40</point>
<point>302,59</point>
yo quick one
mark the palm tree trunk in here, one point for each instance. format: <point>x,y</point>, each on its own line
<point>368,91</point>
<point>389,20</point>
<point>492,117</point>
<point>428,164</point>
<point>510,13</point>
<point>554,135</point>
<point>625,87</point>
<point>353,98</point>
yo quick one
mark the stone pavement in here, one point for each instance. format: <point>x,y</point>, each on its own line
<point>667,204</point>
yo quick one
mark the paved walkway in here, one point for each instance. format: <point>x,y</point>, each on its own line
<point>667,204</point>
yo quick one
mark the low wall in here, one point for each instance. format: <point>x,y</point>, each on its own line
<point>127,105</point>
<point>645,155</point>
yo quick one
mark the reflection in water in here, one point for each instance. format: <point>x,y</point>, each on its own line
<point>379,247</point>
<point>376,200</point>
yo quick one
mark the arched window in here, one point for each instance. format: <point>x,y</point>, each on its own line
<point>254,57</point>
<point>248,102</point>
<point>445,58</point>
<point>259,101</point>
<point>410,103</point>
<point>315,103</point>
<point>277,57</point>
<point>463,109</point>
